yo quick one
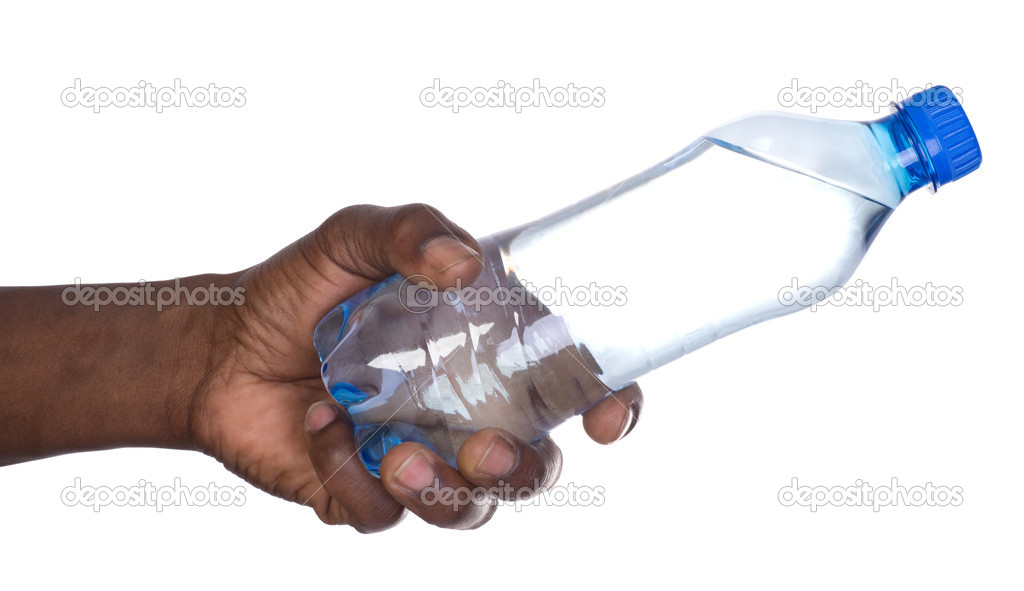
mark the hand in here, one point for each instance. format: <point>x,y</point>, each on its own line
<point>263,411</point>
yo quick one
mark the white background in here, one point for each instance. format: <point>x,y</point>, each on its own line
<point>333,118</point>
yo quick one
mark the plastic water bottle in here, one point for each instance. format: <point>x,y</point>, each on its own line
<point>586,300</point>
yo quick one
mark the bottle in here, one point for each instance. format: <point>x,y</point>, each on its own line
<point>758,218</point>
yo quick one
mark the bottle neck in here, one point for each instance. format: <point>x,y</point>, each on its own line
<point>904,153</point>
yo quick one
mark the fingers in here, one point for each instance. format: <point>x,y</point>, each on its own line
<point>349,494</point>
<point>495,458</point>
<point>614,417</point>
<point>493,465</point>
<point>433,490</point>
<point>370,243</point>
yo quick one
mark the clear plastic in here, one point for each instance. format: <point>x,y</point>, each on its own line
<point>585,301</point>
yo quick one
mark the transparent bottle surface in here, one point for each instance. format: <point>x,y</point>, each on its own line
<point>699,246</point>
<point>410,364</point>
<point>596,295</point>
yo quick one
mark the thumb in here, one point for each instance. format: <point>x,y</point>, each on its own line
<point>353,249</point>
<point>369,243</point>
<point>361,245</point>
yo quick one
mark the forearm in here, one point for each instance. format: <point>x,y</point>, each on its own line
<point>74,378</point>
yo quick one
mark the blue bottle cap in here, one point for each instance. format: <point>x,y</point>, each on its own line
<point>945,139</point>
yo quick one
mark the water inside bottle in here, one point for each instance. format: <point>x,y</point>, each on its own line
<point>702,247</point>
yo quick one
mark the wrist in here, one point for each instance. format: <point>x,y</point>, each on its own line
<point>185,348</point>
<point>86,376</point>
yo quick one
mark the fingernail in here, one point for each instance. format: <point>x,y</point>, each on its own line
<point>416,473</point>
<point>499,459</point>
<point>634,416</point>
<point>320,415</point>
<point>444,252</point>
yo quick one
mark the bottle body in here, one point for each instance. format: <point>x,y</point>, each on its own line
<point>723,232</point>
<point>411,364</point>
<point>586,300</point>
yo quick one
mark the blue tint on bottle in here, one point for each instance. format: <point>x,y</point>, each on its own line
<point>346,394</point>
<point>374,441</point>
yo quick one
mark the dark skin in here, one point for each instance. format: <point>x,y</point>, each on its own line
<point>242,384</point>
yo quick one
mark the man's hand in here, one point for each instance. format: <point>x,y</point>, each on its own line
<point>242,382</point>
